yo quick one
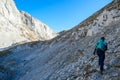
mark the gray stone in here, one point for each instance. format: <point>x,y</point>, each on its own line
<point>70,79</point>
<point>113,61</point>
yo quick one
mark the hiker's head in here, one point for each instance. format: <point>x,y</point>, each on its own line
<point>103,38</point>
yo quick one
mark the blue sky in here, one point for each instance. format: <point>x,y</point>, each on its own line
<point>61,14</point>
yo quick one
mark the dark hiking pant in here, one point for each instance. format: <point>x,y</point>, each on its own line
<point>101,55</point>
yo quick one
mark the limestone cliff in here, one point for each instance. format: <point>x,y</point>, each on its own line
<point>17,26</point>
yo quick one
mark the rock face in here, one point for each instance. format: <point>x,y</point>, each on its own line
<point>69,56</point>
<point>18,26</point>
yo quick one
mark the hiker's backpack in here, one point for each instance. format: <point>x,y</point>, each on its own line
<point>102,45</point>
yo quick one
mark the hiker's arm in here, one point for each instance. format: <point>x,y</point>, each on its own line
<point>94,51</point>
<point>95,48</point>
<point>106,48</point>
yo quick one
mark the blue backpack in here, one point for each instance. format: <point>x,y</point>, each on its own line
<point>102,45</point>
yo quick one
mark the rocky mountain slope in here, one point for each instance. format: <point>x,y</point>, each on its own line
<point>18,26</point>
<point>68,56</point>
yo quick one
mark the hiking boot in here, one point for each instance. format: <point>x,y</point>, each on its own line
<point>101,72</point>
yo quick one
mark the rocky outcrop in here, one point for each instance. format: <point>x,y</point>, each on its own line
<point>69,56</point>
<point>39,28</point>
<point>18,26</point>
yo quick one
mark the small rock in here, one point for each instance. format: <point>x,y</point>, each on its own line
<point>71,78</point>
<point>115,74</point>
<point>107,66</point>
<point>110,51</point>
<point>113,61</point>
